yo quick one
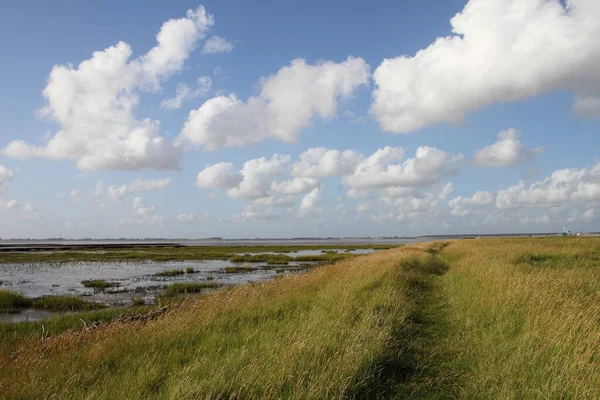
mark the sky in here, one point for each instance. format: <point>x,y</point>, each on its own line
<point>308,119</point>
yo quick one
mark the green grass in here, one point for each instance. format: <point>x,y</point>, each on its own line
<point>189,287</point>
<point>97,284</point>
<point>262,258</point>
<point>100,253</point>
<point>65,303</point>
<point>138,301</point>
<point>12,334</point>
<point>238,270</point>
<point>274,262</point>
<point>173,272</point>
<point>11,302</point>
<point>191,270</point>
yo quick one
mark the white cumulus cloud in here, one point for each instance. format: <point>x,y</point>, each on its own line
<point>184,92</point>
<point>310,203</point>
<point>382,169</point>
<point>220,175</point>
<point>93,103</point>
<point>459,205</point>
<point>190,218</point>
<point>562,188</point>
<point>254,181</point>
<point>287,103</point>
<point>321,163</point>
<point>508,150</point>
<point>5,175</point>
<point>119,193</point>
<point>217,44</point>
<point>499,51</point>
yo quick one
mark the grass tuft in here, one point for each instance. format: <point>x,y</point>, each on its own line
<point>189,287</point>
<point>238,270</point>
<point>11,302</point>
<point>97,284</point>
<point>138,302</point>
<point>173,272</point>
<point>65,303</point>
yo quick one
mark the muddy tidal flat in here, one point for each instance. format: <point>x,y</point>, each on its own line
<point>121,275</point>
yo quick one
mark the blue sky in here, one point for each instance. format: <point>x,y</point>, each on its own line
<point>483,118</point>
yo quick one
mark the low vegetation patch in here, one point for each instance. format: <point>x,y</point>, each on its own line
<point>238,270</point>
<point>11,334</point>
<point>11,302</point>
<point>137,302</point>
<point>97,284</point>
<point>436,248</point>
<point>274,262</point>
<point>189,287</point>
<point>261,258</point>
<point>173,272</point>
<point>65,303</point>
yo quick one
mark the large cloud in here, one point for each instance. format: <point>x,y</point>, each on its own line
<point>508,150</point>
<point>277,182</point>
<point>287,103</point>
<point>501,50</point>
<point>220,175</point>
<point>321,163</point>
<point>93,103</point>
<point>383,170</point>
<point>415,206</point>
<point>310,203</point>
<point>254,181</point>
<point>459,205</point>
<point>562,188</point>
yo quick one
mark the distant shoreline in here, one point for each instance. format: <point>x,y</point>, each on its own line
<point>126,242</point>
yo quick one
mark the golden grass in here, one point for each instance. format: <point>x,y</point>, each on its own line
<point>526,317</point>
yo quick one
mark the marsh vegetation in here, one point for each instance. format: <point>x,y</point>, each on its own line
<point>11,302</point>
<point>115,275</point>
<point>101,253</point>
<point>97,284</point>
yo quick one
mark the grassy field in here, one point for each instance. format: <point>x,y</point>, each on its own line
<point>472,319</point>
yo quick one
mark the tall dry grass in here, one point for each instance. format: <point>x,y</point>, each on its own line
<point>525,317</point>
